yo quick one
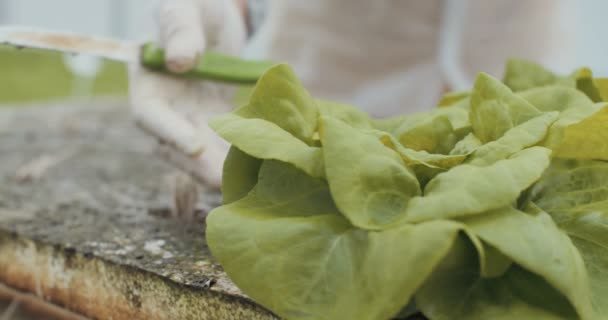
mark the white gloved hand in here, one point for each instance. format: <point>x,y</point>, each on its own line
<point>176,110</point>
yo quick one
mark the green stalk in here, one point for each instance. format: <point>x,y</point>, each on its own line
<point>211,66</point>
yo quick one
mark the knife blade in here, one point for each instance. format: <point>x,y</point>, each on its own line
<point>211,65</point>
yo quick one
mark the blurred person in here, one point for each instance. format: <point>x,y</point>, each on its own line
<point>386,57</point>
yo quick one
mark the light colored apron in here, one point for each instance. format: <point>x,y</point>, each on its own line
<point>395,56</point>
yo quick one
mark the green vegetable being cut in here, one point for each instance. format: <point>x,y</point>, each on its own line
<point>493,206</point>
<point>212,66</point>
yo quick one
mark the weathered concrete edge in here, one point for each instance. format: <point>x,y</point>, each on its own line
<point>100,289</point>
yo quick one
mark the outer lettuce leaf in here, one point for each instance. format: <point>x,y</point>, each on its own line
<point>516,139</point>
<point>595,256</point>
<point>602,86</point>
<point>469,190</point>
<point>280,98</point>
<point>524,238</point>
<point>586,139</point>
<point>287,247</point>
<point>522,75</point>
<point>369,182</point>
<point>345,113</point>
<point>495,109</point>
<point>459,118</point>
<point>453,98</point>
<point>585,84</point>
<point>265,140</point>
<point>279,122</point>
<point>496,262</point>
<point>240,175</point>
<point>456,290</point>
<point>391,124</point>
<point>575,193</point>
<point>567,118</point>
<point>463,104</point>
<point>556,98</point>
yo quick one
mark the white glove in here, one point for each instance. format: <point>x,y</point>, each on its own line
<point>176,110</point>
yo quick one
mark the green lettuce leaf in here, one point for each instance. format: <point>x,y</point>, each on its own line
<point>286,246</point>
<point>523,238</point>
<point>602,86</point>
<point>240,175</point>
<point>345,113</point>
<point>453,98</point>
<point>413,158</point>
<point>279,122</point>
<point>495,109</point>
<point>469,190</point>
<point>516,139</point>
<point>265,140</point>
<point>575,193</point>
<point>496,263</point>
<point>369,182</point>
<point>457,290</point>
<point>437,132</point>
<point>556,98</point>
<point>391,124</point>
<point>280,98</point>
<point>585,84</point>
<point>425,165</point>
<point>595,256</point>
<point>586,139</point>
<point>565,119</point>
<point>467,145</point>
<point>522,75</point>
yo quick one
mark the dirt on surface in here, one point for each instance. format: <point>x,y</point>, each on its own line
<point>100,188</point>
<point>83,181</point>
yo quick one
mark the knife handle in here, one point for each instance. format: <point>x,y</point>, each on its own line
<point>211,66</point>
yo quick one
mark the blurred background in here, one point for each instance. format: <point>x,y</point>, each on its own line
<point>29,76</point>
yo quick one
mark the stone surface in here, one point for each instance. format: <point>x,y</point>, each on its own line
<point>83,221</point>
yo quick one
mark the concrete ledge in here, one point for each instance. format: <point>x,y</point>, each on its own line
<point>82,223</point>
<point>101,289</point>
